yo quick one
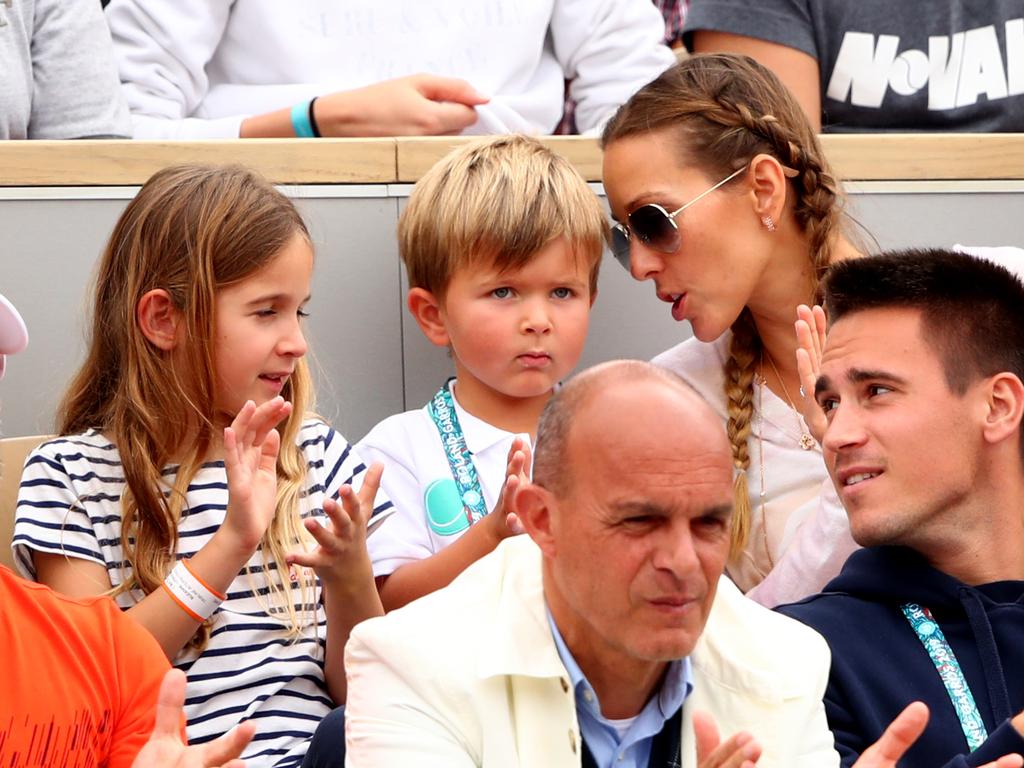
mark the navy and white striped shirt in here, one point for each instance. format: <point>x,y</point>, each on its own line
<point>69,503</point>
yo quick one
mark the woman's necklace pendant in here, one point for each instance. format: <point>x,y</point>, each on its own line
<point>807,442</point>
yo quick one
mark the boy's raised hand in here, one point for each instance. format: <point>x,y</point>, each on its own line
<point>165,748</point>
<point>251,445</point>
<point>340,558</point>
<point>503,520</point>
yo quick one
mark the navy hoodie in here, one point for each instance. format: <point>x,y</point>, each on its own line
<point>879,665</point>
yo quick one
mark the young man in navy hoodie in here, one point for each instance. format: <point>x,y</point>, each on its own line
<point>920,385</point>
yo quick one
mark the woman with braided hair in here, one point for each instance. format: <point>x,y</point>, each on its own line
<point>724,199</point>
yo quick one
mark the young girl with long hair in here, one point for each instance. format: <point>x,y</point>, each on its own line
<point>726,201</point>
<point>189,481</point>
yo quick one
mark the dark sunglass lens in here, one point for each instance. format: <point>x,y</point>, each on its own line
<point>654,228</point>
<point>620,246</point>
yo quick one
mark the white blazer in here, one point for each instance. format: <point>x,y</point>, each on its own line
<point>470,676</point>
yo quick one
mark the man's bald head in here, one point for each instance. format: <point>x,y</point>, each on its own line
<point>630,504</point>
<point>587,394</point>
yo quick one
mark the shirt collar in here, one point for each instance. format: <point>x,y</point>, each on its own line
<point>478,434</point>
<point>675,687</point>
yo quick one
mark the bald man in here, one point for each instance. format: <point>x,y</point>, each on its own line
<point>577,643</point>
<point>608,635</point>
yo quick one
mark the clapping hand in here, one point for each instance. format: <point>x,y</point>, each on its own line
<point>741,750</point>
<point>165,748</point>
<point>340,558</point>
<point>503,521</point>
<point>251,445</point>
<point>900,736</point>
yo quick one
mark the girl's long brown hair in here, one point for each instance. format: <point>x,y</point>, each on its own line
<point>190,231</point>
<point>725,109</point>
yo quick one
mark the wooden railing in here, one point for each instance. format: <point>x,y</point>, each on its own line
<point>403,160</point>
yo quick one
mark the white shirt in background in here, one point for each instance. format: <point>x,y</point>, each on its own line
<point>196,68</point>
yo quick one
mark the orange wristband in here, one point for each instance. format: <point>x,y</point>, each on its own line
<point>193,595</point>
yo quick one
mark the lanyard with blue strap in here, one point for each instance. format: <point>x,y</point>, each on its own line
<point>442,410</point>
<point>945,661</point>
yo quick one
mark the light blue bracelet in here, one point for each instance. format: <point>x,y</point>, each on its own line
<point>300,121</point>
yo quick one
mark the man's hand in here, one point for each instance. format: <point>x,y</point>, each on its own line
<point>810,338</point>
<point>739,751</point>
<point>165,749</point>
<point>503,522</point>
<point>1018,723</point>
<point>902,733</point>
<point>416,105</point>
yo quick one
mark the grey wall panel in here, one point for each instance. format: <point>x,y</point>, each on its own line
<point>354,330</point>
<point>49,250</point>
<point>426,366</point>
<point>628,321</point>
<point>371,357</point>
<point>941,219</point>
<point>48,253</point>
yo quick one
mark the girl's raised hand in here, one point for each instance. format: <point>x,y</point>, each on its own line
<point>811,326</point>
<point>340,558</point>
<point>251,445</point>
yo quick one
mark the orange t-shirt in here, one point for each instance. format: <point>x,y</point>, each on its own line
<point>78,680</point>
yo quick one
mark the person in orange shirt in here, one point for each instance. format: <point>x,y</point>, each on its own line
<point>84,685</point>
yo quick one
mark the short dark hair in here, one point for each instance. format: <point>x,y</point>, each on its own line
<point>972,310</point>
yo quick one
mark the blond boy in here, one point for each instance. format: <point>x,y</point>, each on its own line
<point>502,241</point>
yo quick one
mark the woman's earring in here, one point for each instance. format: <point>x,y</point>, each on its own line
<point>768,222</point>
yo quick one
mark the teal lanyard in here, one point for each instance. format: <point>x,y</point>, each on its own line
<point>945,661</point>
<point>442,410</point>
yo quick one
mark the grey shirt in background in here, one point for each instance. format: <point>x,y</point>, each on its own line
<point>58,79</point>
<point>894,65</point>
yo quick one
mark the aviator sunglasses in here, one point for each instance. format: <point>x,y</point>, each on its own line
<point>654,226</point>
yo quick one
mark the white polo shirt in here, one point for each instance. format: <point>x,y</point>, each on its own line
<point>418,479</point>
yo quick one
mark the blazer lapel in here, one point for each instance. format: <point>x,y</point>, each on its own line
<point>519,647</point>
<point>544,717</point>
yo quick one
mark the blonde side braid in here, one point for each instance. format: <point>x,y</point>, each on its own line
<point>819,200</point>
<point>819,210</point>
<point>739,394</point>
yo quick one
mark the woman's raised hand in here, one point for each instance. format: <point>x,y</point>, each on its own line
<point>251,445</point>
<point>810,337</point>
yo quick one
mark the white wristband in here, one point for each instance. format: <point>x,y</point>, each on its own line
<point>194,596</point>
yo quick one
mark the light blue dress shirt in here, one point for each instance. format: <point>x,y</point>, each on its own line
<point>602,738</point>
